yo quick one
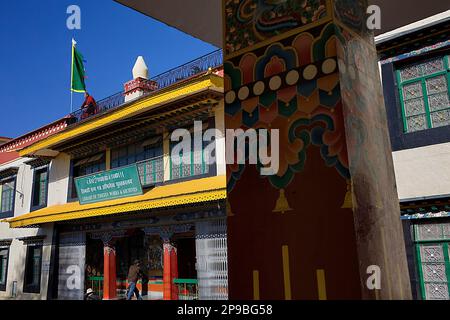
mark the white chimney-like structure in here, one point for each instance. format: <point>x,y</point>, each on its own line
<point>140,85</point>
<point>140,69</point>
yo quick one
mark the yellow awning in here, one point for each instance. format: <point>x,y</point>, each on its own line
<point>189,192</point>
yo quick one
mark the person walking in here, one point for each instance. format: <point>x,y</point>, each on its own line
<point>134,273</point>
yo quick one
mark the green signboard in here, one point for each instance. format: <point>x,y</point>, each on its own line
<point>108,185</point>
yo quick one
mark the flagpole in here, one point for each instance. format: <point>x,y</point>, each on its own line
<point>71,101</point>
<point>71,76</point>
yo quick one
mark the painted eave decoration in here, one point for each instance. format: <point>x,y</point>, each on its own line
<point>173,93</point>
<point>189,192</point>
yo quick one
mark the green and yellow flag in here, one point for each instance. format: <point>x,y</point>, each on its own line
<point>78,72</point>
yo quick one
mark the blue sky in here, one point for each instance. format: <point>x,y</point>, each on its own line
<point>36,51</point>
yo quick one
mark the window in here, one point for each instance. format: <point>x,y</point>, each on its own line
<point>433,251</point>
<point>4,254</point>
<point>133,153</point>
<point>149,156</point>
<point>7,192</point>
<point>190,164</point>
<point>32,281</point>
<point>40,188</point>
<point>424,94</point>
<point>86,166</point>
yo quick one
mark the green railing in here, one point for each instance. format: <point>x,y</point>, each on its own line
<point>187,289</point>
<point>193,164</point>
<point>151,171</point>
<point>96,284</point>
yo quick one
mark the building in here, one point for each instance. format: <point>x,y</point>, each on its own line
<point>415,69</point>
<point>203,234</point>
<point>290,66</point>
<point>119,195</point>
<point>24,188</point>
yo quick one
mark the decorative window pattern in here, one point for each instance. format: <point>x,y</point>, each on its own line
<point>7,196</point>
<point>190,164</point>
<point>137,152</point>
<point>424,94</point>
<point>433,260</point>
<point>151,171</point>
<point>149,158</point>
<point>40,188</point>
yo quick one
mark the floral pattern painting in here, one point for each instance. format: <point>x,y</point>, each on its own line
<point>249,22</point>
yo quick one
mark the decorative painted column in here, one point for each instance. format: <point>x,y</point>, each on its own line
<point>109,262</point>
<point>174,272</point>
<point>330,213</point>
<point>170,257</point>
<point>170,271</point>
<point>109,271</point>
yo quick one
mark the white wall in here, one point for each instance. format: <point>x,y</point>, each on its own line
<point>58,182</point>
<point>423,172</point>
<point>219,113</point>
<point>17,258</point>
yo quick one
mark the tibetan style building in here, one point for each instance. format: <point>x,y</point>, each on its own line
<point>116,196</point>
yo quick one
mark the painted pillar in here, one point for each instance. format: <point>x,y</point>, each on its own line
<point>109,271</point>
<point>108,159</point>
<point>330,212</point>
<point>170,271</point>
<point>174,272</point>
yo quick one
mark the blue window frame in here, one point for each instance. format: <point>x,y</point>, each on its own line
<point>82,167</point>
<point>7,197</point>
<point>4,258</point>
<point>40,188</point>
<point>130,154</point>
<point>33,268</point>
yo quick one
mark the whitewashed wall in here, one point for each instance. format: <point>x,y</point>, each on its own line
<point>423,172</point>
<point>58,180</point>
<point>220,141</point>
<point>57,194</point>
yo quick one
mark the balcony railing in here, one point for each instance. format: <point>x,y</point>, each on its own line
<point>168,78</point>
<point>151,171</point>
<point>187,289</point>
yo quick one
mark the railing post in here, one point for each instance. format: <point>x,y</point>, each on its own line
<point>166,155</point>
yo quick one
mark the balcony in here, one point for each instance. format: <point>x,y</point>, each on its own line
<point>193,165</point>
<point>195,67</point>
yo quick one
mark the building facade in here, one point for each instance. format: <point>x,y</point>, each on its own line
<point>168,214</point>
<point>26,185</point>
<point>415,67</point>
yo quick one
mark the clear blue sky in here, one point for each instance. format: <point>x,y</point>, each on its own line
<point>36,51</point>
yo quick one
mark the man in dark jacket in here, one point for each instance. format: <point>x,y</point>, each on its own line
<point>134,273</point>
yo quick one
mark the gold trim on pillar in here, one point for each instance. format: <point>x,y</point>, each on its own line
<point>321,284</point>
<point>286,272</point>
<point>256,285</point>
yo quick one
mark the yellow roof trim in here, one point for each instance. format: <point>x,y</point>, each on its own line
<point>208,81</point>
<point>189,192</point>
